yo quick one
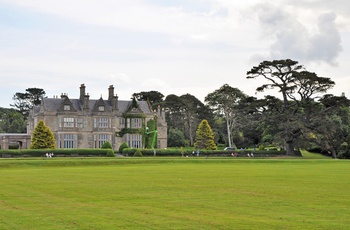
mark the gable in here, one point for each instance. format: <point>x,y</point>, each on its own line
<point>101,106</point>
<point>66,106</point>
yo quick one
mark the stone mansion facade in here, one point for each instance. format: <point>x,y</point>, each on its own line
<point>88,123</point>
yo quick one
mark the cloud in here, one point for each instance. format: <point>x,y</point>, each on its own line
<point>326,45</point>
<point>292,38</point>
<point>118,77</point>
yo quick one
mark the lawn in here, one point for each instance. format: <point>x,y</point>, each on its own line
<point>174,193</point>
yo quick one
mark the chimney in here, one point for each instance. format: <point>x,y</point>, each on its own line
<point>113,99</point>
<point>82,92</point>
<point>110,92</point>
<point>86,102</point>
<point>115,102</point>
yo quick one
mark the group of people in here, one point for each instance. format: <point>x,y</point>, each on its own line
<point>234,154</point>
<point>49,155</point>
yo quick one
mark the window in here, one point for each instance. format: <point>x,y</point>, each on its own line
<point>68,141</point>
<point>134,140</point>
<point>68,122</point>
<point>136,123</point>
<point>101,108</point>
<point>66,107</point>
<point>80,123</point>
<point>101,122</point>
<point>128,123</point>
<point>122,123</point>
<point>101,138</point>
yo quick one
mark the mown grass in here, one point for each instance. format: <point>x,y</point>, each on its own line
<point>174,193</point>
<point>310,155</point>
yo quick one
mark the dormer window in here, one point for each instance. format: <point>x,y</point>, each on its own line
<point>66,107</point>
<point>101,108</point>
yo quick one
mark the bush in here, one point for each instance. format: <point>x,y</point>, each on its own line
<point>110,153</point>
<point>138,153</point>
<point>107,145</point>
<point>123,146</point>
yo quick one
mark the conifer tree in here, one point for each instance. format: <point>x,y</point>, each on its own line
<point>42,137</point>
<point>204,137</point>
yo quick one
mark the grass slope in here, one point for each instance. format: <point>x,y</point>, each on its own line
<point>174,193</point>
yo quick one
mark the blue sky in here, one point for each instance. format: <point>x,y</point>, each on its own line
<point>174,47</point>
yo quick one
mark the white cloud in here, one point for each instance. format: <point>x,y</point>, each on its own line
<point>192,46</point>
<point>291,38</point>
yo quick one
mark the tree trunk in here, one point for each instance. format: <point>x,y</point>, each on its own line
<point>290,148</point>
<point>334,154</point>
<point>228,133</point>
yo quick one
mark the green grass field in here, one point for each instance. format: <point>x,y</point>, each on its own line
<point>174,193</point>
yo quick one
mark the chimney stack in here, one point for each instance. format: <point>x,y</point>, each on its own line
<point>86,102</point>
<point>82,92</point>
<point>110,92</point>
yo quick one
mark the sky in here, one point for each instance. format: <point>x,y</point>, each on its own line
<point>173,47</point>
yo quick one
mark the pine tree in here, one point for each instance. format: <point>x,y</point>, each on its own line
<point>42,137</point>
<point>204,137</point>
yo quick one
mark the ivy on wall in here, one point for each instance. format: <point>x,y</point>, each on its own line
<point>141,130</point>
<point>151,127</point>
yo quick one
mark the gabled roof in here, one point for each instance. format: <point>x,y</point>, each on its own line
<point>54,104</point>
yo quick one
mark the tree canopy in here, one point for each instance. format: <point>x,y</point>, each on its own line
<point>25,101</point>
<point>297,87</point>
<point>223,102</point>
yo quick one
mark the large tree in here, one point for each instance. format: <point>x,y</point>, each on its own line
<point>297,87</point>
<point>155,98</point>
<point>223,102</point>
<point>25,101</point>
<point>331,125</point>
<point>191,109</point>
<point>174,115</point>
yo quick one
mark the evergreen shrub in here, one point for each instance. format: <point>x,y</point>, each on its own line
<point>123,146</point>
<point>138,153</point>
<point>107,145</point>
<point>110,153</point>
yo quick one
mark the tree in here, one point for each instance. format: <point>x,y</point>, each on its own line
<point>204,137</point>
<point>176,138</point>
<point>190,108</point>
<point>331,126</point>
<point>298,89</point>
<point>25,101</point>
<point>185,113</point>
<point>222,101</point>
<point>42,137</point>
<point>155,98</point>
<point>174,115</point>
<point>12,121</point>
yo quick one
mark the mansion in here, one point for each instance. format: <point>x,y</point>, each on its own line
<point>88,123</point>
